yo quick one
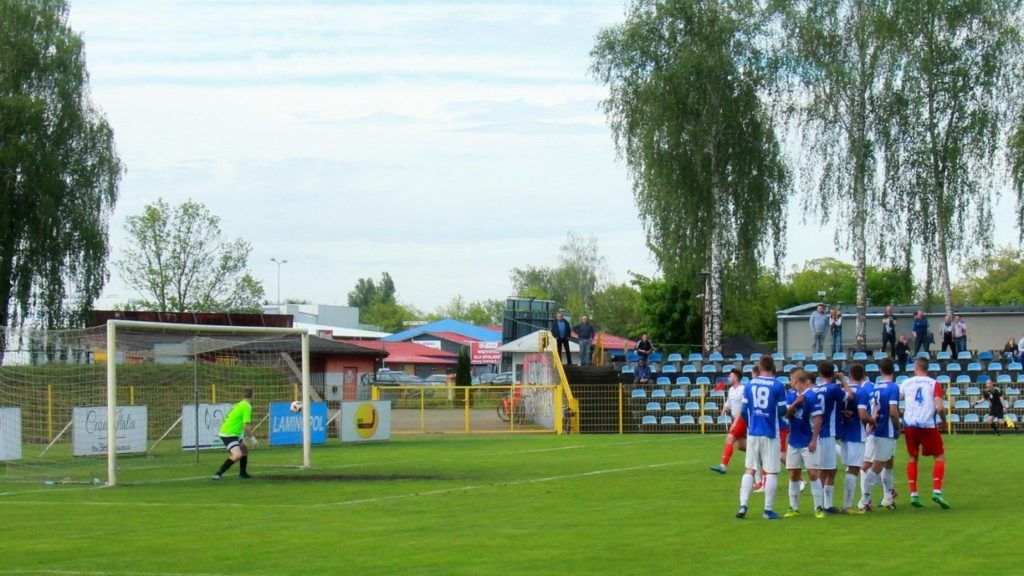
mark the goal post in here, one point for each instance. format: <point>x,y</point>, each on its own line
<point>133,401</point>
<point>112,355</point>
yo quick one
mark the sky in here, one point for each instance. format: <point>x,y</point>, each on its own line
<point>445,142</point>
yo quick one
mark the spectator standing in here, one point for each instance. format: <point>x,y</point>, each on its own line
<point>819,323</point>
<point>889,330</point>
<point>947,334</point>
<point>835,324</point>
<point>920,328</point>
<point>644,347</point>
<point>562,331</point>
<point>1020,348</point>
<point>1011,352</point>
<point>960,333</point>
<point>585,337</point>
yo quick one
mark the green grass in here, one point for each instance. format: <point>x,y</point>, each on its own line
<point>500,505</point>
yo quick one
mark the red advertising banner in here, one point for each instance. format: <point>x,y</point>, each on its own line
<point>484,353</point>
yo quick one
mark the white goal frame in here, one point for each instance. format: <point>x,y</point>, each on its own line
<point>112,327</point>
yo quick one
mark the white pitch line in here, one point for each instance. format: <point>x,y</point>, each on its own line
<point>103,573</point>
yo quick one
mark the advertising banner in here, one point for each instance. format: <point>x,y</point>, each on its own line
<point>365,421</point>
<point>211,416</point>
<point>286,426</point>
<point>482,353</point>
<point>89,430</point>
<point>10,434</point>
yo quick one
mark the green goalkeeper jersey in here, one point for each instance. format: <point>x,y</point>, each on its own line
<point>234,423</point>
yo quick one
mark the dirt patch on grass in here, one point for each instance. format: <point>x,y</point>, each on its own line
<point>345,477</point>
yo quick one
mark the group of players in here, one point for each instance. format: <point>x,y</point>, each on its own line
<point>800,428</point>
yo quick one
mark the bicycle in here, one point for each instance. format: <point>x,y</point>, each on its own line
<point>512,405</point>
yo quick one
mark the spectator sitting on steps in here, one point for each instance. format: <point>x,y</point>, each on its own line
<point>642,374</point>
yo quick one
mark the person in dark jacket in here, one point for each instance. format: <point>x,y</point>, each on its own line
<point>562,331</point>
<point>585,333</point>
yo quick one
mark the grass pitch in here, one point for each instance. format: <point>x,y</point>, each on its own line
<point>501,505</point>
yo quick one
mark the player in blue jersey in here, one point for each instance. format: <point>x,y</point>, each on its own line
<point>804,415</point>
<point>880,412</point>
<point>764,402</point>
<point>832,390</point>
<point>853,436</point>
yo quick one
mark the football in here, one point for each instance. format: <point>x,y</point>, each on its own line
<point>296,406</point>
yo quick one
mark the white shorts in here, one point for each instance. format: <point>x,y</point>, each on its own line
<point>797,458</point>
<point>763,454</point>
<point>852,453</point>
<point>879,449</point>
<point>826,453</point>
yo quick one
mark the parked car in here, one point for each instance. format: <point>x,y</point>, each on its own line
<point>395,378</point>
<point>440,379</point>
<point>501,379</point>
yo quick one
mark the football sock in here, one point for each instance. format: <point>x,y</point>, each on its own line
<point>829,493</point>
<point>912,476</point>
<point>243,462</point>
<point>887,481</point>
<point>794,494</point>
<point>849,489</point>
<point>938,473</point>
<point>746,487</point>
<point>727,454</point>
<point>816,493</point>
<point>771,483</point>
<point>870,479</point>
<point>993,425</point>
<point>224,467</point>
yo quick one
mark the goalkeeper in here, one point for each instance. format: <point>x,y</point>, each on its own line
<point>236,427</point>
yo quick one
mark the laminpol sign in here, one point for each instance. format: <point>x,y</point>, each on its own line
<point>10,434</point>
<point>89,433</point>
<point>211,416</point>
<point>286,426</point>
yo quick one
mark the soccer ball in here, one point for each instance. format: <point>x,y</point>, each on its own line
<point>296,406</point>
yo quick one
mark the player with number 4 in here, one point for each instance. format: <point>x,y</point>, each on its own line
<point>922,397</point>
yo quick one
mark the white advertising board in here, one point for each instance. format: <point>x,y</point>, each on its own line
<point>89,430</point>
<point>10,433</point>
<point>211,416</point>
<point>365,421</point>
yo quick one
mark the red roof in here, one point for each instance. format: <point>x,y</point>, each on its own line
<point>408,352</point>
<point>454,337</point>
<point>612,342</point>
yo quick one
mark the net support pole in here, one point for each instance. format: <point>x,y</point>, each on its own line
<point>307,455</point>
<point>111,404</point>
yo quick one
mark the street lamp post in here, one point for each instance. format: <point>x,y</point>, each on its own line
<point>278,262</point>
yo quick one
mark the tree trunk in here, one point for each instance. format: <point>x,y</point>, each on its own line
<point>715,330</point>
<point>942,252</point>
<point>860,242</point>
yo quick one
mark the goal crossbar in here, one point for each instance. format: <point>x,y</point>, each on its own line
<point>114,325</point>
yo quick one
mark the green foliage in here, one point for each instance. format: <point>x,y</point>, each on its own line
<point>463,375</point>
<point>1015,155</point>
<point>580,273</point>
<point>367,292</point>
<point>617,310</point>
<point>59,170</point>
<point>671,313</point>
<point>378,306</point>
<point>180,261</point>
<point>994,279</point>
<point>481,313</point>
<point>752,308</point>
<point>838,280</point>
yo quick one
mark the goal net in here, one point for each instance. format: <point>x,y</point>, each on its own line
<point>157,392</point>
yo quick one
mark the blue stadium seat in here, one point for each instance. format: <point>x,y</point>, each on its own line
<point>687,419</point>
<point>923,354</point>
<point>1011,417</point>
<point>659,393</point>
<point>934,367</point>
<point>1003,379</point>
<point>755,356</point>
<point>668,420</point>
<point>817,357</point>
<point>627,369</point>
<point>653,407</point>
<point>707,419</point>
<point>638,393</point>
<point>784,379</point>
<point>708,369</point>
<point>1013,391</point>
<point>717,394</point>
<point>839,357</point>
<point>963,379</point>
<point>995,367</point>
<point>669,369</point>
<point>654,357</point>
<point>678,393</point>
<point>971,418</point>
<point>798,357</point>
<point>811,368</point>
<point>632,356</point>
<point>871,368</point>
<point>683,381</point>
<point>672,407</point>
<point>711,406</point>
<point>727,419</point>
<point>649,420</point>
<point>1015,367</point>
<point>715,357</point>
<point>954,418</point>
<point>953,391</point>
<point>703,381</point>
<point>737,357</point>
<point>778,357</point>
<point>1018,404</point>
<point>663,381</point>
<point>747,368</point>
<point>974,367</point>
<point>689,369</point>
<point>692,407</point>
<point>983,405</point>
<point>694,357</point>
<point>963,355</point>
<point>788,368</point>
<point>973,391</point>
<point>961,405</point>
<point>878,355</point>
<point>944,355</point>
<point>909,367</point>
<point>953,367</point>
<point>696,392</point>
<point>985,356</point>
<point>943,379</point>
<point>984,379</point>
<point>860,357</point>
<point>675,357</point>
